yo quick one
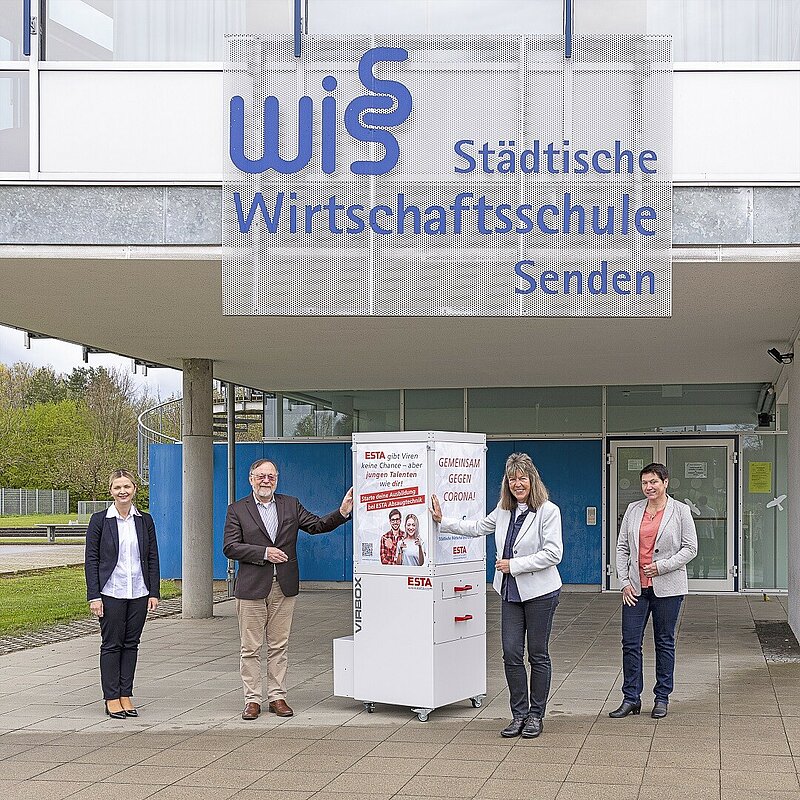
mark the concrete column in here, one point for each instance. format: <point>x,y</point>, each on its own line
<point>793,486</point>
<point>198,489</point>
<point>230,409</point>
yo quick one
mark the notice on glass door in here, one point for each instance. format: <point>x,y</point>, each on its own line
<point>759,475</point>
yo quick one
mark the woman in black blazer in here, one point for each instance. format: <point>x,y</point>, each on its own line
<point>123,583</point>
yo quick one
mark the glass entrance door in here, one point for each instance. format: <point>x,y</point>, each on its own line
<point>702,476</point>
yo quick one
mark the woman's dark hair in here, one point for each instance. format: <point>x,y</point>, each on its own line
<point>656,469</point>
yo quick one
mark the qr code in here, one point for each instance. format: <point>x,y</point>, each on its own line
<point>366,549</point>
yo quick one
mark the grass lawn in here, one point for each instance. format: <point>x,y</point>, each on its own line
<point>28,602</point>
<point>29,520</point>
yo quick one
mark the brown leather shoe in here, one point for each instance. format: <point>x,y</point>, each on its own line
<point>251,711</point>
<point>280,708</point>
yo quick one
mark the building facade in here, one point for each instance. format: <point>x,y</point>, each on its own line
<point>112,150</point>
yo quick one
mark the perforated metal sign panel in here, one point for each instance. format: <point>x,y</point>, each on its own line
<point>448,175</point>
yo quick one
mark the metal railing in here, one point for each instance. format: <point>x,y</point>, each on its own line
<point>158,425</point>
<point>162,423</point>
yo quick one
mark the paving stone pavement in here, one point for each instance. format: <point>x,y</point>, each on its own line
<point>733,730</point>
<point>23,557</point>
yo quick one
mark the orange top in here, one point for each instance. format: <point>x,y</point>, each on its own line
<point>648,531</point>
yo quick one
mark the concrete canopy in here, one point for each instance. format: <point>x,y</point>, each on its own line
<point>163,305</point>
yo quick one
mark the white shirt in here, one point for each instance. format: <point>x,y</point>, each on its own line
<point>126,581</point>
<point>411,553</point>
<point>269,516</point>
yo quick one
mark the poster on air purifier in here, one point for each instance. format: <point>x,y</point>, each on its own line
<point>393,523</point>
<point>460,485</point>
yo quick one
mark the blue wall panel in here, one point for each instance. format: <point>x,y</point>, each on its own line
<point>166,505</point>
<point>496,457</point>
<point>572,472</point>
<point>246,454</point>
<point>319,474</point>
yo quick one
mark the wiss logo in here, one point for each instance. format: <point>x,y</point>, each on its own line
<point>364,118</point>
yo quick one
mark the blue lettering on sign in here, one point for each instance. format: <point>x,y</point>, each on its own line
<point>571,281</point>
<point>365,119</point>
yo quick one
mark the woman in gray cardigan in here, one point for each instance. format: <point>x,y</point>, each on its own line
<point>527,532</point>
<point>656,540</point>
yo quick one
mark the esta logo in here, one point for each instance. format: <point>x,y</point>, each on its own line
<point>365,119</point>
<point>415,582</point>
<point>459,550</point>
<point>373,454</point>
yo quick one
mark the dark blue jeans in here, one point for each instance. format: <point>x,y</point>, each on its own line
<point>664,611</point>
<point>531,621</point>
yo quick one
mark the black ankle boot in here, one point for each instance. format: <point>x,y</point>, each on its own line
<point>626,708</point>
<point>533,727</point>
<point>659,710</point>
<point>514,728</point>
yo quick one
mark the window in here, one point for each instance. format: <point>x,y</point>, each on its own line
<point>141,30</point>
<point>556,409</point>
<point>14,128</point>
<point>434,409</point>
<point>340,413</point>
<point>436,16</point>
<point>11,30</point>
<point>764,512</point>
<point>728,30</point>
<point>675,408</point>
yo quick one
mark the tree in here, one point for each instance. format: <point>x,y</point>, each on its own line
<point>23,385</point>
<point>114,405</point>
<point>11,450</point>
<point>67,432</point>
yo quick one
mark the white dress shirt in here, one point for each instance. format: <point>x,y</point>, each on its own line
<point>126,581</point>
<point>269,516</point>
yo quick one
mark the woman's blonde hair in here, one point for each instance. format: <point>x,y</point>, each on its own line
<point>521,464</point>
<point>123,473</point>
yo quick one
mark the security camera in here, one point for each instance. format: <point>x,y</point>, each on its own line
<point>781,358</point>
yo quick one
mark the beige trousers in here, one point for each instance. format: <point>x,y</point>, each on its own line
<point>268,620</point>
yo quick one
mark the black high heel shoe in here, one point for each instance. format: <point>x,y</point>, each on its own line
<point>129,712</point>
<point>626,708</point>
<point>114,714</point>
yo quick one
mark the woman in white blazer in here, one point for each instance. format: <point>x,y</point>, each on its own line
<point>657,539</point>
<point>527,532</point>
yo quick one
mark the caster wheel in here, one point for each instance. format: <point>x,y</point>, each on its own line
<point>477,702</point>
<point>422,717</point>
<point>369,707</point>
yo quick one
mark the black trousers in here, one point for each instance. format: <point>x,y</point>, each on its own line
<point>529,622</point>
<point>120,630</point>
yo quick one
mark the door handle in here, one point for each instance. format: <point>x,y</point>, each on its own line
<point>465,618</point>
<point>462,588</point>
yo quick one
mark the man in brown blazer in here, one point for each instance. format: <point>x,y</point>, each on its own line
<point>261,534</point>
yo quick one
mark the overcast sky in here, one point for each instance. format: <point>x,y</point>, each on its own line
<point>63,356</point>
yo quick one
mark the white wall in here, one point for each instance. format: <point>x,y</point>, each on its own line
<point>736,125</point>
<point>145,123</point>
